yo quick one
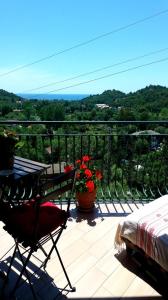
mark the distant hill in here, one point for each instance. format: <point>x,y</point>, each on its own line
<point>107,97</point>
<point>9,97</point>
<point>152,97</point>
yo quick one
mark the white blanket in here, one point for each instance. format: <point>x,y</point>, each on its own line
<point>147,228</point>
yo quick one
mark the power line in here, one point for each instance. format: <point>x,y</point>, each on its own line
<point>109,75</point>
<point>85,43</point>
<point>97,70</point>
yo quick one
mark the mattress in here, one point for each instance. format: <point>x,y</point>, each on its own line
<point>147,228</point>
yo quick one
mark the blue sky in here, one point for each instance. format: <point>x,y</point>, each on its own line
<point>35,29</point>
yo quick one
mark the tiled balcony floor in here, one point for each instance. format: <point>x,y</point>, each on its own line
<point>87,249</point>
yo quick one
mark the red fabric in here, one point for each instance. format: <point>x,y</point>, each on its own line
<point>23,219</point>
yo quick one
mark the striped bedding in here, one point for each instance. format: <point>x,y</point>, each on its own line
<point>147,228</point>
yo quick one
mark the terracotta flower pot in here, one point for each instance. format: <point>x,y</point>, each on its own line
<point>86,200</point>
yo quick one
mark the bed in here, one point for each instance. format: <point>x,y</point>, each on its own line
<point>146,231</point>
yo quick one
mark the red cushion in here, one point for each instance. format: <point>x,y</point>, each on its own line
<point>23,219</point>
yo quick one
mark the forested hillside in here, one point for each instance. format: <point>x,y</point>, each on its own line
<point>149,97</point>
<point>9,97</point>
<point>149,103</point>
<point>8,102</point>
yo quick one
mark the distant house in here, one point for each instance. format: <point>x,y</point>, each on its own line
<point>17,110</point>
<point>146,132</point>
<point>154,136</point>
<point>102,106</point>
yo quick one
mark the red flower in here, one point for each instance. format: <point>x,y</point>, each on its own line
<point>87,177</point>
<point>85,158</point>
<point>88,173</point>
<point>90,186</point>
<point>83,166</point>
<point>78,161</point>
<point>99,175</point>
<point>68,168</point>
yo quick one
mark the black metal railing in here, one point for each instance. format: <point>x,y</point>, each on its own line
<point>132,155</point>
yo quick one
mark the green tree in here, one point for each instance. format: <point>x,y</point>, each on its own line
<point>52,112</point>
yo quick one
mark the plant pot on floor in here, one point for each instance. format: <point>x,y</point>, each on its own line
<point>86,201</point>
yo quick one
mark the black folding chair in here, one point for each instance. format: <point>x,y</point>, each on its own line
<point>33,222</point>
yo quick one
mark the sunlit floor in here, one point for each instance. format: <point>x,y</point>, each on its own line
<point>87,249</point>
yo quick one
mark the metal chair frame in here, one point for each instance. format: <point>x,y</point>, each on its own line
<point>49,188</point>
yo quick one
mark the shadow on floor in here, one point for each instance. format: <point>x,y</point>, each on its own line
<point>43,284</point>
<point>46,289</point>
<point>95,213</point>
<point>137,265</point>
<point>90,217</point>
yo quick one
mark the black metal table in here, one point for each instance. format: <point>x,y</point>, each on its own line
<point>24,175</point>
<point>24,167</point>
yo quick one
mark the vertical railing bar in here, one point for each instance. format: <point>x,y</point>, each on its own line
<point>81,145</point>
<point>59,152</point>
<point>115,188</point>
<point>88,139</point>
<point>158,189</point>
<point>109,158</point>
<point>102,193</point>
<point>28,143</point>
<point>162,163</point>
<point>143,179</point>
<point>43,143</point>
<point>66,150</point>
<point>50,140</point>
<point>74,149</point>
<point>109,192</point>
<point>150,187</point>
<point>102,154</point>
<point>96,145</point>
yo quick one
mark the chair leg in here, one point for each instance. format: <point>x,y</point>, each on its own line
<point>8,273</point>
<point>72,289</point>
<point>24,270</point>
<point>11,262</point>
<point>53,246</point>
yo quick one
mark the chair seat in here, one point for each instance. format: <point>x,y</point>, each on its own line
<point>20,221</point>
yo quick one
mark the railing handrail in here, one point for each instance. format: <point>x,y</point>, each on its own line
<point>11,122</point>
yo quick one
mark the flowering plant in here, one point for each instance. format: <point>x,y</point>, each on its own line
<point>8,143</point>
<point>10,140</point>
<point>87,176</point>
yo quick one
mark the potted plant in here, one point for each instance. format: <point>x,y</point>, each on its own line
<point>8,143</point>
<point>87,179</point>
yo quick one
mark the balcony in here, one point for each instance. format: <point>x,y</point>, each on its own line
<point>133,159</point>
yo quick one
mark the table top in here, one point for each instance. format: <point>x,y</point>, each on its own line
<point>23,167</point>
